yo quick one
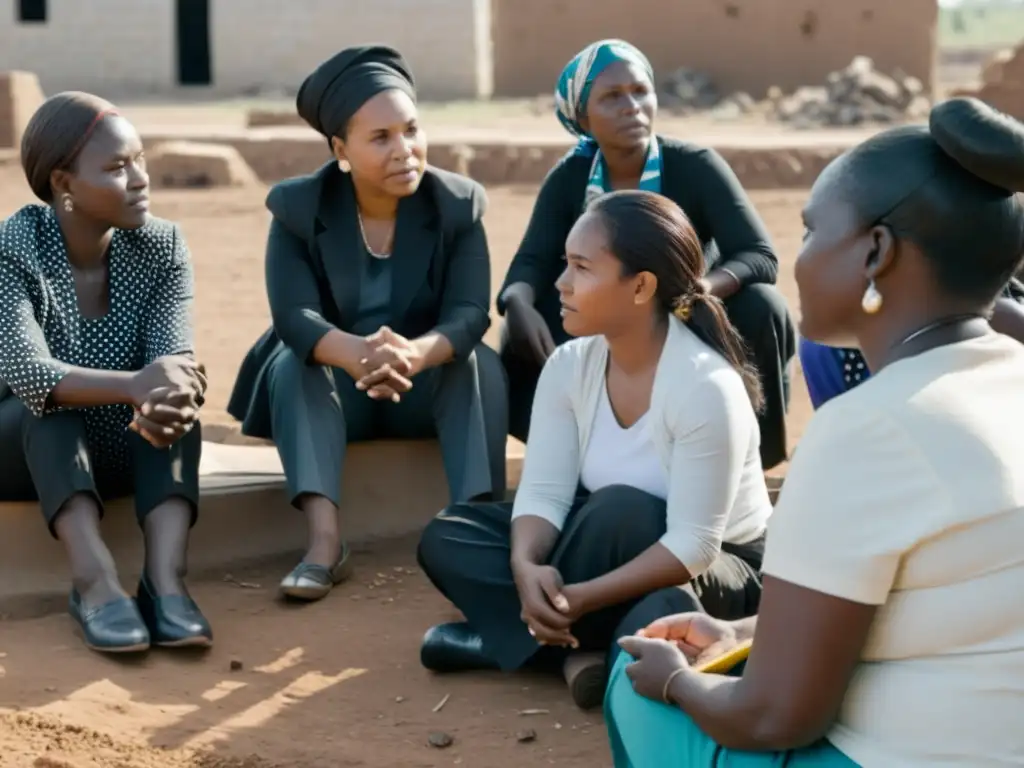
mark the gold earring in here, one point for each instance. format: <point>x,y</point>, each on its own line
<point>871,302</point>
<point>345,166</point>
<point>69,204</point>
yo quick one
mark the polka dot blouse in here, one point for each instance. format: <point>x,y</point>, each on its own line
<point>42,334</point>
<point>855,369</point>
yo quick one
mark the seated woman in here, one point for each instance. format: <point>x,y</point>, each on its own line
<point>885,635</point>
<point>606,96</point>
<point>831,371</point>
<point>98,389</point>
<point>378,277</point>
<point>642,489</point>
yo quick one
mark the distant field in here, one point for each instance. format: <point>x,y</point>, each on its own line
<point>995,26</point>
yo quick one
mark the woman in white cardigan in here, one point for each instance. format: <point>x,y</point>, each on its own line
<point>642,493</point>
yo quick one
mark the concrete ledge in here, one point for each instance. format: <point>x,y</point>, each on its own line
<point>245,517</point>
<point>774,162</point>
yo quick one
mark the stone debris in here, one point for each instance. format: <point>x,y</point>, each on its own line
<point>440,739</point>
<point>1002,82</point>
<point>854,95</point>
<point>689,90</point>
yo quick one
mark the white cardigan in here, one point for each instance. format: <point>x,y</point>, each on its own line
<point>703,427</point>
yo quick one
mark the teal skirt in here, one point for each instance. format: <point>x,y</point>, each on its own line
<point>649,734</point>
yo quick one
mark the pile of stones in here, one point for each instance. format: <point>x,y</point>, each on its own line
<point>855,95</point>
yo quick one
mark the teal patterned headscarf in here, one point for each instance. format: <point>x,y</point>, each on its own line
<point>571,97</point>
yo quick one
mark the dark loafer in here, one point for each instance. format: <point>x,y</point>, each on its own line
<point>309,582</point>
<point>114,627</point>
<point>174,621</point>
<point>454,647</point>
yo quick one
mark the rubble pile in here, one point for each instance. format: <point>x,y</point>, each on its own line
<point>689,90</point>
<point>1002,82</point>
<point>854,95</point>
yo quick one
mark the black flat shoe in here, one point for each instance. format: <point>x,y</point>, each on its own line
<point>454,647</point>
<point>114,627</point>
<point>174,621</point>
<point>309,582</point>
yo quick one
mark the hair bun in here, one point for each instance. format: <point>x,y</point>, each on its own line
<point>983,140</point>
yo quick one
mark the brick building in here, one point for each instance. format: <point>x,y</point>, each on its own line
<point>744,45</point>
<point>124,48</point>
<point>458,48</point>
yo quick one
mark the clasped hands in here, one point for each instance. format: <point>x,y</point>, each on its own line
<point>167,395</point>
<point>387,363</point>
<point>549,608</point>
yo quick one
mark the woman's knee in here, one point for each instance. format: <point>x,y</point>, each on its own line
<point>289,377</point>
<point>490,367</point>
<point>434,551</point>
<point>624,511</point>
<point>57,427</point>
<point>758,311</point>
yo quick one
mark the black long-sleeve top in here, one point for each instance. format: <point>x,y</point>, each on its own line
<point>696,178</point>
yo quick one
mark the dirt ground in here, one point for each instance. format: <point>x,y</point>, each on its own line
<point>332,684</point>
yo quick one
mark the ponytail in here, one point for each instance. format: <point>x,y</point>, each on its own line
<point>704,314</point>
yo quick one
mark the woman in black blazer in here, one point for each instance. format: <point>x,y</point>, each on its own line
<point>605,97</point>
<point>378,277</point>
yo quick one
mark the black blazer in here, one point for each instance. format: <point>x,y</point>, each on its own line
<point>441,280</point>
<point>696,178</point>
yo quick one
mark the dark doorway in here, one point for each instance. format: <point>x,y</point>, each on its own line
<point>193,38</point>
<point>32,11</point>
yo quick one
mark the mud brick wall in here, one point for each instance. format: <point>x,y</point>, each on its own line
<point>745,45</point>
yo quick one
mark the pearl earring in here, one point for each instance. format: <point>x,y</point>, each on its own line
<point>871,302</point>
<point>345,166</point>
<point>69,204</point>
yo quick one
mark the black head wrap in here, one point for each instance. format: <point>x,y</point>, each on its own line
<point>341,85</point>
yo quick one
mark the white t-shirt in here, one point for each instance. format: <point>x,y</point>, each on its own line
<point>618,455</point>
<point>908,493</point>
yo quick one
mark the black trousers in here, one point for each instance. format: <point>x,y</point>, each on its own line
<point>465,552</point>
<point>760,315</point>
<point>48,459</point>
<point>317,411</point>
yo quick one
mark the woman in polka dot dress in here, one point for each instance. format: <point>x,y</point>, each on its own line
<point>99,392</point>
<point>831,371</point>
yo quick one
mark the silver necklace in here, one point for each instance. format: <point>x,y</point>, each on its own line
<point>366,242</point>
<point>936,325</point>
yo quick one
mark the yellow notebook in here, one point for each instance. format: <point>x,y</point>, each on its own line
<point>727,661</point>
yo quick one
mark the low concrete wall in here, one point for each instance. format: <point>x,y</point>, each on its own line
<point>237,527</point>
<point>277,154</point>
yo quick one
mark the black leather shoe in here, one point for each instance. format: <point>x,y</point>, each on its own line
<point>174,621</point>
<point>114,627</point>
<point>454,647</point>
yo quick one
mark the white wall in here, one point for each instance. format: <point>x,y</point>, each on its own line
<point>276,43</point>
<point>107,47</point>
<point>122,48</point>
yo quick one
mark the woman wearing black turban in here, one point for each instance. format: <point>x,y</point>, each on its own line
<point>378,276</point>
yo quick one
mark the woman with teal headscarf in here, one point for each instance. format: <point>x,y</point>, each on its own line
<point>606,98</point>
